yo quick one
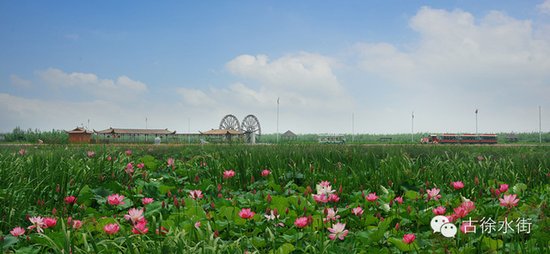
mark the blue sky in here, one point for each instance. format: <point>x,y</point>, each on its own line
<point>115,63</point>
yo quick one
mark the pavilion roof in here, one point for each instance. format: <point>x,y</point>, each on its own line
<point>289,134</point>
<point>79,130</point>
<point>221,132</point>
<point>136,131</point>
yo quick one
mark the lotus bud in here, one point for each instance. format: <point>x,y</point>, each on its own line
<point>176,203</point>
<point>384,190</point>
<point>385,207</point>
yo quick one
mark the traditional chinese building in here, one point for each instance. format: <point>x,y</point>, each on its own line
<point>222,135</point>
<point>132,135</point>
<point>79,135</point>
<point>289,135</point>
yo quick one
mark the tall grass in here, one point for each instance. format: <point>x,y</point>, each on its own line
<point>44,175</point>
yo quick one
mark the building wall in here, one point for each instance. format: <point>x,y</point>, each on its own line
<point>79,138</point>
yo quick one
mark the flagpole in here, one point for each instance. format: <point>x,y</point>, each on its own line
<point>277,120</point>
<point>476,123</point>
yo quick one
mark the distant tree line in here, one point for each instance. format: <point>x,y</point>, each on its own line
<point>404,138</point>
<point>19,135</point>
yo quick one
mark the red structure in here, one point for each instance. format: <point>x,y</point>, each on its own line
<point>448,138</point>
<point>79,135</point>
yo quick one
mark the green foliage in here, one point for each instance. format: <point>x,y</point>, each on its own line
<point>35,183</point>
<point>32,136</point>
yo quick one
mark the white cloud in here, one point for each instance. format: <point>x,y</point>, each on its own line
<point>460,62</point>
<point>544,7</point>
<point>305,80</point>
<point>47,114</point>
<point>308,89</point>
<point>20,82</point>
<point>195,97</point>
<point>301,72</point>
<point>121,88</point>
<point>455,51</point>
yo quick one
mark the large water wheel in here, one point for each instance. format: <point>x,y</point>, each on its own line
<point>230,122</point>
<point>251,128</point>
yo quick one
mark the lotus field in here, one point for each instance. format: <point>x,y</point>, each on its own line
<point>275,199</point>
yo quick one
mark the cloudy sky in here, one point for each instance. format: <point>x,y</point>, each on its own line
<point>116,63</point>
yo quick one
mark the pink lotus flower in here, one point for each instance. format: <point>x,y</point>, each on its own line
<point>468,206</point>
<point>141,165</point>
<point>266,172</point>
<point>399,200</point>
<point>196,194</point>
<point>457,185</point>
<point>451,217</point>
<point>134,215</point>
<point>358,211</point>
<point>197,224</point>
<point>324,184</point>
<point>320,198</point>
<point>140,228</point>
<point>70,200</point>
<point>509,201</point>
<point>18,231</point>
<point>331,215</point>
<point>338,230</point>
<point>128,152</point>
<point>111,229</point>
<point>129,168</point>
<point>301,222</point>
<point>50,222</point>
<point>146,201</point>
<point>38,223</point>
<point>333,198</point>
<point>503,188</point>
<point>228,174</point>
<point>440,210</point>
<point>433,194</point>
<point>409,238</point>
<point>460,212</point>
<point>109,158</point>
<point>77,224</point>
<point>372,197</point>
<point>171,162</point>
<point>115,199</point>
<point>246,213</point>
<point>90,154</point>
